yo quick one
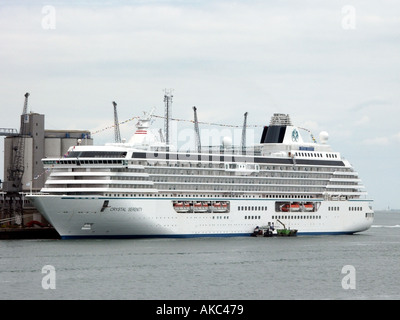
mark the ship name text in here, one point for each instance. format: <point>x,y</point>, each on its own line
<point>125,209</point>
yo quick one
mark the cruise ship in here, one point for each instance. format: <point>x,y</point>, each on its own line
<point>144,188</point>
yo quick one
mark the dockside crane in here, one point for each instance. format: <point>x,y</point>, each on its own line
<point>13,185</point>
<point>196,130</point>
<point>117,134</point>
<point>16,171</point>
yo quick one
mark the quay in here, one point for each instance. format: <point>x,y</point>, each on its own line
<point>23,233</point>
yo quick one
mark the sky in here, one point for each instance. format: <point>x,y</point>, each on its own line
<point>333,66</point>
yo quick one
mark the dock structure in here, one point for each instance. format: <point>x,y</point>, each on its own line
<point>8,132</point>
<point>23,168</point>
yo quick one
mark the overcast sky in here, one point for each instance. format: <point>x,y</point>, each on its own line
<point>331,65</point>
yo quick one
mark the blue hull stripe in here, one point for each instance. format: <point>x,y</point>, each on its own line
<point>217,235</point>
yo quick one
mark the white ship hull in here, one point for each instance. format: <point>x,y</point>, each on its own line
<point>144,189</point>
<point>86,217</point>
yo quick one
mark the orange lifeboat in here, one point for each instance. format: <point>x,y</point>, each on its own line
<point>220,207</point>
<point>308,206</point>
<point>200,207</point>
<point>180,207</point>
<point>290,207</point>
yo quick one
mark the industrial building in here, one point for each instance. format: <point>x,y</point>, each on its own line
<point>39,144</point>
<point>23,168</point>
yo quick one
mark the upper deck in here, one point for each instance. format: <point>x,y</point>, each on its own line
<point>282,165</point>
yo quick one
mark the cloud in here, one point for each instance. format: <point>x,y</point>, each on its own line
<point>374,103</point>
<point>364,120</point>
<point>383,141</point>
<point>379,141</point>
<point>396,138</point>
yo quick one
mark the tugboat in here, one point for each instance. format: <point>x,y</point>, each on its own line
<point>269,231</point>
<point>264,231</point>
<point>286,232</point>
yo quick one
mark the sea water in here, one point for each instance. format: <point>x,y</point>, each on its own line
<point>359,266</point>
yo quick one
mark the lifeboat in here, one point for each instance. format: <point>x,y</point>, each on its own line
<point>290,207</point>
<point>200,207</point>
<point>220,207</point>
<point>308,206</point>
<point>181,207</point>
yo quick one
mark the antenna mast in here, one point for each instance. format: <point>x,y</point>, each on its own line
<point>117,134</point>
<point>244,133</point>
<point>167,116</point>
<point>196,130</point>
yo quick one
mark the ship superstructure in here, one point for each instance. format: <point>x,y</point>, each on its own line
<point>145,188</point>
